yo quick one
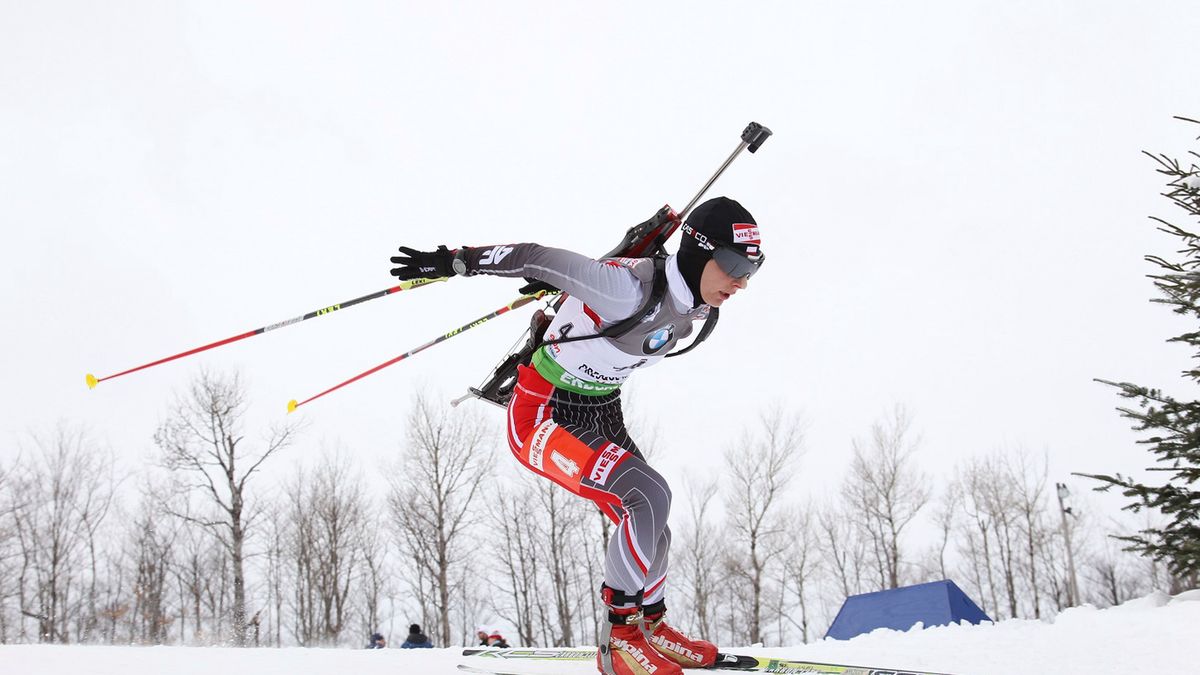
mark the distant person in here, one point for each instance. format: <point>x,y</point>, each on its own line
<point>497,640</point>
<point>377,641</point>
<point>416,639</point>
<point>483,637</point>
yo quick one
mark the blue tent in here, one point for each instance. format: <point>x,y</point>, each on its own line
<point>935,604</point>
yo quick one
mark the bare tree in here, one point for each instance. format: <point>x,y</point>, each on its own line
<point>549,562</point>
<point>759,470</point>
<point>202,443</point>
<point>945,515</point>
<point>9,554</point>
<point>274,572</point>
<point>697,554</point>
<point>1054,584</point>
<point>976,539</point>
<point>473,589</point>
<point>593,545</point>
<point>376,579</point>
<point>200,574</point>
<point>299,554</point>
<point>803,562</point>
<point>327,514</point>
<point>561,544</point>
<point>1114,575</point>
<point>844,550</point>
<point>1003,530</point>
<point>151,541</point>
<point>432,503</point>
<point>1028,480</point>
<point>113,618</point>
<point>515,553</point>
<point>61,497</point>
<point>995,498</point>
<point>886,491</point>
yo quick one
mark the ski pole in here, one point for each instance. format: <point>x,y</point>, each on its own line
<point>515,304</point>
<point>92,380</point>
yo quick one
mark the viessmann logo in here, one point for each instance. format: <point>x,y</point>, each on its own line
<point>609,458</point>
<point>746,233</point>
<point>537,448</point>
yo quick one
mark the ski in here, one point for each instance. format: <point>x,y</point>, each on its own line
<point>725,663</point>
<point>486,671</point>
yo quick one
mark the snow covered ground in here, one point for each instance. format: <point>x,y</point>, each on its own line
<point>1156,634</point>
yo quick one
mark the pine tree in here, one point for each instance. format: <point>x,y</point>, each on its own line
<point>1172,425</point>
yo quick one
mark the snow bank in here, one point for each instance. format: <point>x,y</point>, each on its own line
<point>1154,634</point>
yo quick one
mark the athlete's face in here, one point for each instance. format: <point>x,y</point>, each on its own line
<point>716,286</point>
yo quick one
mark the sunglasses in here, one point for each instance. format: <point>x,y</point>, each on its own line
<point>735,264</point>
<point>731,261</point>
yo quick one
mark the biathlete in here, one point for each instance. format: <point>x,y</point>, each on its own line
<point>564,417</point>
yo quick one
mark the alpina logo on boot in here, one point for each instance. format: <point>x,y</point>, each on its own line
<point>637,654</point>
<point>677,648</point>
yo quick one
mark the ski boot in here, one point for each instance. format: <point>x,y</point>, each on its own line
<point>669,642</point>
<point>623,646</point>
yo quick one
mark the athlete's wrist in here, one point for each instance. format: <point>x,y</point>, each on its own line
<point>459,262</point>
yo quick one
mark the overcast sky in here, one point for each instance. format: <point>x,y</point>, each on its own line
<point>953,206</point>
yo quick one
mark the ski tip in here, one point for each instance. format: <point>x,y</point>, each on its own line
<point>92,381</point>
<point>292,405</point>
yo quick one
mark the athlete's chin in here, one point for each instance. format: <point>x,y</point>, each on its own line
<point>718,298</point>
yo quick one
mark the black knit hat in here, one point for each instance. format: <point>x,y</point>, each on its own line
<point>415,628</point>
<point>722,221</point>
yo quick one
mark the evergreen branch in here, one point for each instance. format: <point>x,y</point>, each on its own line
<point>1173,426</point>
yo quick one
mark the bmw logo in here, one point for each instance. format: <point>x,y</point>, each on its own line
<point>658,339</point>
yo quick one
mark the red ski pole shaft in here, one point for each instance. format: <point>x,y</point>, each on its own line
<point>515,304</point>
<point>92,380</point>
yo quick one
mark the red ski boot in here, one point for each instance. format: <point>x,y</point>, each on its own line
<point>676,646</point>
<point>624,649</point>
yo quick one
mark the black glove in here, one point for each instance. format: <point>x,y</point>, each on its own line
<point>414,264</point>
<point>536,285</point>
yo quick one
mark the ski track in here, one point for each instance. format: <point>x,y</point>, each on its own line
<point>1154,634</point>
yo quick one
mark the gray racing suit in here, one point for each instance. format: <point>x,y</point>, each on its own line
<point>564,419</point>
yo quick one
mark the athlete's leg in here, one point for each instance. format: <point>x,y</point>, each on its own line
<point>528,408</point>
<point>669,641</point>
<point>557,446</point>
<point>555,434</point>
<point>563,453</point>
<point>644,499</point>
<point>656,577</point>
